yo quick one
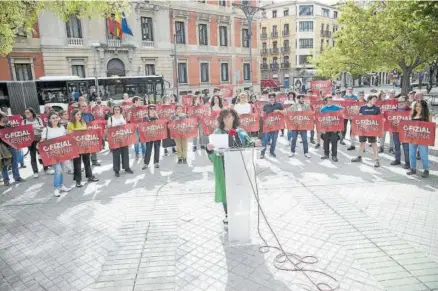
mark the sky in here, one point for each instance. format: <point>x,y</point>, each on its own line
<point>328,2</point>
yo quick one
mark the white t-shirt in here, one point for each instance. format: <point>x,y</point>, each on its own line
<point>243,108</point>
<point>116,121</point>
<point>52,132</point>
<point>289,102</point>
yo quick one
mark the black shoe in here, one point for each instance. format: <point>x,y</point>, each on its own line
<point>425,174</point>
<point>376,164</point>
<point>381,150</point>
<point>79,185</point>
<point>335,159</point>
<point>174,150</point>
<point>117,174</point>
<point>406,166</point>
<point>273,155</point>
<point>23,167</point>
<point>325,157</point>
<point>6,183</point>
<point>395,163</point>
<point>166,152</point>
<point>195,148</point>
<point>262,155</point>
<point>96,164</point>
<point>351,148</point>
<point>318,145</point>
<point>19,179</point>
<point>411,172</point>
<point>391,150</point>
<point>342,142</point>
<point>145,166</point>
<point>184,161</point>
<point>129,171</point>
<point>180,161</point>
<point>356,160</point>
<point>93,179</point>
<point>312,141</point>
<point>203,147</point>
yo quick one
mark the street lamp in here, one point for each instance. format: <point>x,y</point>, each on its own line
<point>96,45</point>
<point>250,12</point>
<point>175,64</point>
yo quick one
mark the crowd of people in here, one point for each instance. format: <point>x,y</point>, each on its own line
<point>82,113</point>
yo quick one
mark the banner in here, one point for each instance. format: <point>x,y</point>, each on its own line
<point>15,120</point>
<point>417,132</point>
<point>138,114</point>
<point>153,130</point>
<point>125,110</point>
<point>56,150</point>
<point>44,118</point>
<point>88,141</point>
<point>122,136</point>
<point>316,106</point>
<point>329,122</point>
<point>183,128</point>
<point>209,124</point>
<point>352,108</point>
<point>199,111</point>
<point>165,111</point>
<point>226,90</point>
<point>300,120</point>
<point>187,100</point>
<point>367,125</point>
<point>258,106</point>
<point>18,137</point>
<point>97,124</point>
<point>281,98</point>
<point>309,99</point>
<point>250,122</point>
<point>99,112</point>
<point>387,105</point>
<point>324,86</point>
<point>273,122</point>
<point>393,119</point>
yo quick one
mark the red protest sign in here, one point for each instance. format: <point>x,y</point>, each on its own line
<point>57,150</point>
<point>187,100</point>
<point>97,124</point>
<point>126,109</point>
<point>387,105</point>
<point>15,120</point>
<point>165,111</point>
<point>324,86</point>
<point>367,125</point>
<point>341,103</point>
<point>226,90</point>
<point>152,130</point>
<point>122,136</point>
<point>329,121</point>
<point>44,118</point>
<point>18,137</point>
<point>309,99</point>
<point>393,118</point>
<point>316,105</point>
<point>281,98</point>
<point>88,141</point>
<point>352,109</point>
<point>209,124</point>
<point>138,114</point>
<point>99,112</point>
<point>183,128</point>
<point>199,111</point>
<point>273,122</point>
<point>417,132</point>
<point>300,120</point>
<point>258,106</point>
<point>250,122</point>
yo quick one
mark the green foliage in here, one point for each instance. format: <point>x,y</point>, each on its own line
<point>22,14</point>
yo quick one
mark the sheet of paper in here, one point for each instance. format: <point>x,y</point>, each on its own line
<point>220,141</point>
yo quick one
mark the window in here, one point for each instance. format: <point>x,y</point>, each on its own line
<point>223,3</point>
<point>205,74</point>
<point>306,10</point>
<point>306,43</point>
<point>146,29</point>
<point>182,73</point>
<point>264,45</point>
<point>286,12</point>
<point>245,37</point>
<point>23,72</point>
<point>303,59</point>
<point>78,70</point>
<point>286,59</point>
<point>327,28</point>
<point>180,32</point>
<point>274,13</point>
<point>246,72</point>
<point>335,14</point>
<point>149,69</point>
<point>322,27</point>
<point>265,60</point>
<point>325,12</point>
<point>286,27</point>
<point>203,34</point>
<point>73,26</point>
<point>274,44</point>
<point>274,60</point>
<point>223,35</point>
<point>224,72</point>
<point>286,43</point>
<point>306,26</point>
<point>322,44</point>
<point>274,29</point>
<point>264,30</point>
<point>20,32</point>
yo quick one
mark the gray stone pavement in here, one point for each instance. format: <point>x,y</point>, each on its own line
<point>159,229</point>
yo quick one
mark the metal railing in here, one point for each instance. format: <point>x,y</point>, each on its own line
<point>147,43</point>
<point>274,50</point>
<point>285,49</point>
<point>286,32</point>
<point>113,42</point>
<point>274,34</point>
<point>285,65</point>
<point>274,67</point>
<point>75,41</point>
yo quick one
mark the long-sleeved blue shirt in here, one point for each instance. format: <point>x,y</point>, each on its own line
<point>330,108</point>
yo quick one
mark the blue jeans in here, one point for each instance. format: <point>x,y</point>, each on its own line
<point>397,144</point>
<point>270,136</point>
<point>424,154</point>
<point>295,134</point>
<point>58,176</point>
<point>20,157</point>
<point>312,134</point>
<point>138,145</point>
<point>15,171</point>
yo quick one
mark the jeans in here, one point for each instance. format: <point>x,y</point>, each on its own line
<point>331,138</point>
<point>269,136</point>
<point>424,154</point>
<point>294,134</point>
<point>123,154</point>
<point>397,151</point>
<point>58,176</point>
<point>33,159</point>
<point>155,145</point>
<point>20,157</point>
<point>77,167</point>
<point>382,140</point>
<point>312,134</point>
<point>14,165</point>
<point>139,145</point>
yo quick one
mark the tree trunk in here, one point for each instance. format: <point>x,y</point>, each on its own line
<point>406,82</point>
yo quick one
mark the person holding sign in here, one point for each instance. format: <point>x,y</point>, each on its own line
<point>8,157</point>
<point>139,145</point>
<point>53,130</point>
<point>77,123</point>
<point>152,115</point>
<point>272,136</point>
<point>420,112</point>
<point>293,134</point>
<point>369,109</point>
<point>181,144</point>
<point>121,153</point>
<point>330,137</point>
<point>396,138</point>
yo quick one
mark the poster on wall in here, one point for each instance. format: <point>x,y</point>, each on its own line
<point>298,83</point>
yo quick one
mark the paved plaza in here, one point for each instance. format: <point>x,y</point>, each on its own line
<point>160,229</point>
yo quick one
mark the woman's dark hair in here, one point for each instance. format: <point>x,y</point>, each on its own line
<point>424,110</point>
<point>220,101</point>
<point>73,118</point>
<point>370,97</point>
<point>49,122</point>
<point>294,96</point>
<point>272,94</point>
<point>224,113</point>
<point>31,111</point>
<point>117,106</point>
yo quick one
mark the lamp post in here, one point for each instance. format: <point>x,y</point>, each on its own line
<point>250,12</point>
<point>96,82</point>
<point>175,65</point>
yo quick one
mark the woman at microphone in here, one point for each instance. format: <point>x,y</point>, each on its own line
<point>228,123</point>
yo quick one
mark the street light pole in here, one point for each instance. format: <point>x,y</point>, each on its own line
<point>175,66</point>
<point>96,82</point>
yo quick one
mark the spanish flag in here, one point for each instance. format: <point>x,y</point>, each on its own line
<point>114,25</point>
<point>118,24</point>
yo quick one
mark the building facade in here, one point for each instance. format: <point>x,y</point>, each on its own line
<point>291,33</point>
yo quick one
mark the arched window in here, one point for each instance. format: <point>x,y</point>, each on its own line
<point>115,67</point>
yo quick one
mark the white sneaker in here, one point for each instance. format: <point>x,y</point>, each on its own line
<point>35,176</point>
<point>291,155</point>
<point>65,189</point>
<point>57,193</point>
<point>307,155</point>
<point>50,172</point>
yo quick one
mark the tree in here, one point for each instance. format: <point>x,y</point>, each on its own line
<point>23,14</point>
<point>381,36</point>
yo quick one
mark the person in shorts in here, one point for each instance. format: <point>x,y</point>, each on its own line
<point>369,109</point>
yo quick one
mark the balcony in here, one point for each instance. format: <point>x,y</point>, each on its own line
<point>274,50</point>
<point>147,43</point>
<point>75,41</point>
<point>274,34</point>
<point>263,35</point>
<point>326,33</point>
<point>286,32</point>
<point>114,42</point>
<point>285,49</point>
<point>285,65</point>
<point>264,51</point>
<point>264,66</point>
<point>274,67</point>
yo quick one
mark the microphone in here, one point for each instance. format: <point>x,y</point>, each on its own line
<point>233,134</point>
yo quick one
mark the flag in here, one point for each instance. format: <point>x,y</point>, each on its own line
<point>111,27</point>
<point>118,24</point>
<point>125,27</point>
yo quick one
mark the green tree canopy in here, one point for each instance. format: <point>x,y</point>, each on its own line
<point>382,35</point>
<point>22,14</point>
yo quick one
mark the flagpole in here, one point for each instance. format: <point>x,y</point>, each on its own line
<point>175,65</point>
